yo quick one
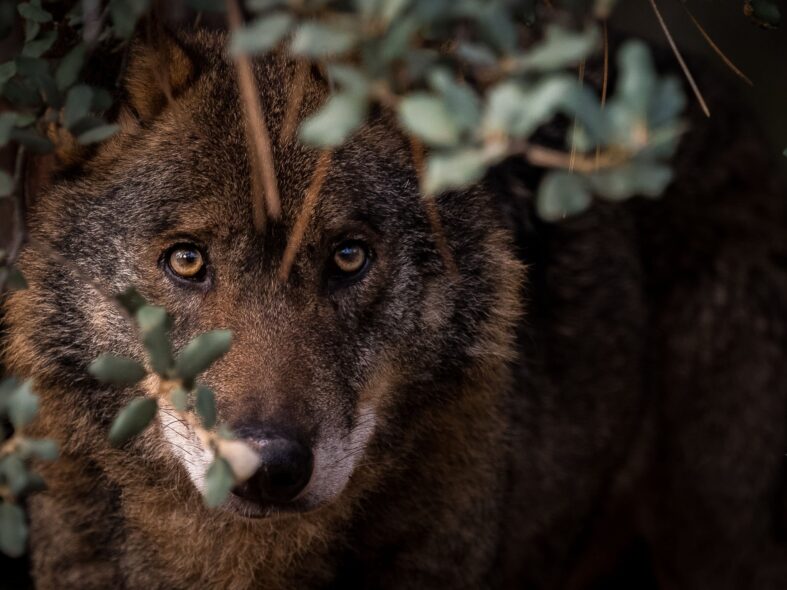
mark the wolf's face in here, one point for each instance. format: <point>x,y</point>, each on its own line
<point>336,367</point>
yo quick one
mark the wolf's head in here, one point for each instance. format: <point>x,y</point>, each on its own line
<point>337,367</point>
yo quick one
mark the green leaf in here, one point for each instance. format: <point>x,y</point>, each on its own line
<point>34,12</point>
<point>314,39</point>
<point>15,280</point>
<point>132,420</point>
<point>13,530</point>
<point>427,117</point>
<point>260,5</point>
<point>341,115</point>
<point>634,178</point>
<point>14,473</point>
<point>77,106</point>
<point>125,14</point>
<point>764,13</point>
<point>70,67</point>
<point>22,405</point>
<point>262,35</point>
<point>117,370</point>
<point>44,449</point>
<point>460,100</point>
<point>8,120</point>
<point>207,5</point>
<point>202,352</point>
<point>559,49</point>
<point>40,46</point>
<point>131,300</point>
<point>154,325</point>
<point>219,480</point>
<point>453,170</point>
<point>32,141</point>
<point>179,398</point>
<point>6,184</point>
<point>562,194</point>
<point>7,71</point>
<point>205,405</point>
<point>32,28</point>
<point>97,134</point>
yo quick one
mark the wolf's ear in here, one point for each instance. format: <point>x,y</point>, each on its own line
<point>158,70</point>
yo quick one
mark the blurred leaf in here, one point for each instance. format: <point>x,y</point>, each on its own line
<point>219,480</point>
<point>260,5</point>
<point>453,170</point>
<point>39,46</point>
<point>32,140</point>
<point>70,67</point>
<point>15,280</point>
<point>22,405</point>
<point>209,5</point>
<point>6,184</point>
<point>154,324</point>
<point>341,115</point>
<point>559,49</point>
<point>634,178</point>
<point>476,54</point>
<point>179,398</point>
<point>205,404</point>
<point>262,35</point>
<point>7,71</point>
<point>314,39</point>
<point>117,370</point>
<point>32,28</point>
<point>132,420</point>
<point>764,13</point>
<point>460,99</point>
<point>14,472</point>
<point>562,194</point>
<point>428,118</point>
<point>34,12</point>
<point>517,111</point>
<point>13,530</point>
<point>202,352</point>
<point>349,79</point>
<point>44,449</point>
<point>97,134</point>
<point>77,105</point>
<point>125,13</point>
<point>131,300</point>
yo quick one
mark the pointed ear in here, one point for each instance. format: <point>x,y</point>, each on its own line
<point>159,69</point>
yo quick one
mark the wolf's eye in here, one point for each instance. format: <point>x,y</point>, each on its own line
<point>186,262</point>
<point>350,258</point>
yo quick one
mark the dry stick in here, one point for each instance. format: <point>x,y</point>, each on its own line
<point>305,214</point>
<point>257,131</point>
<point>430,207</point>
<point>294,103</point>
<point>716,48</point>
<point>679,57</point>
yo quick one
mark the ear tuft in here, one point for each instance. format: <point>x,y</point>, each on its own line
<point>156,74</point>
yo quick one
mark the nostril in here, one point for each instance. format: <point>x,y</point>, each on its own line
<point>285,470</point>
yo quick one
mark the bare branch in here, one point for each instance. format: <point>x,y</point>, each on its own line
<point>305,214</point>
<point>260,148</point>
<point>679,57</point>
<point>294,102</point>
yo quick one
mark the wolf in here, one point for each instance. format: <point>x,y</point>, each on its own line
<point>519,416</point>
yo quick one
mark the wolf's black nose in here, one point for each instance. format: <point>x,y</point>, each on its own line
<point>285,469</point>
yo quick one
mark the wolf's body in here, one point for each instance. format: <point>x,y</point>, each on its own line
<point>642,394</point>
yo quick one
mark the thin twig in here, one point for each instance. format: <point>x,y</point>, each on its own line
<point>294,102</point>
<point>575,125</point>
<point>430,207</point>
<point>257,131</point>
<point>604,81</point>
<point>305,214</point>
<point>679,57</point>
<point>20,229</point>
<point>716,48</point>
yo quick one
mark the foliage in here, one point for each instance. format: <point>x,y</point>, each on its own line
<point>471,81</point>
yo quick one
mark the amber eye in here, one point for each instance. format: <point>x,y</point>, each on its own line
<point>350,257</point>
<point>187,262</point>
